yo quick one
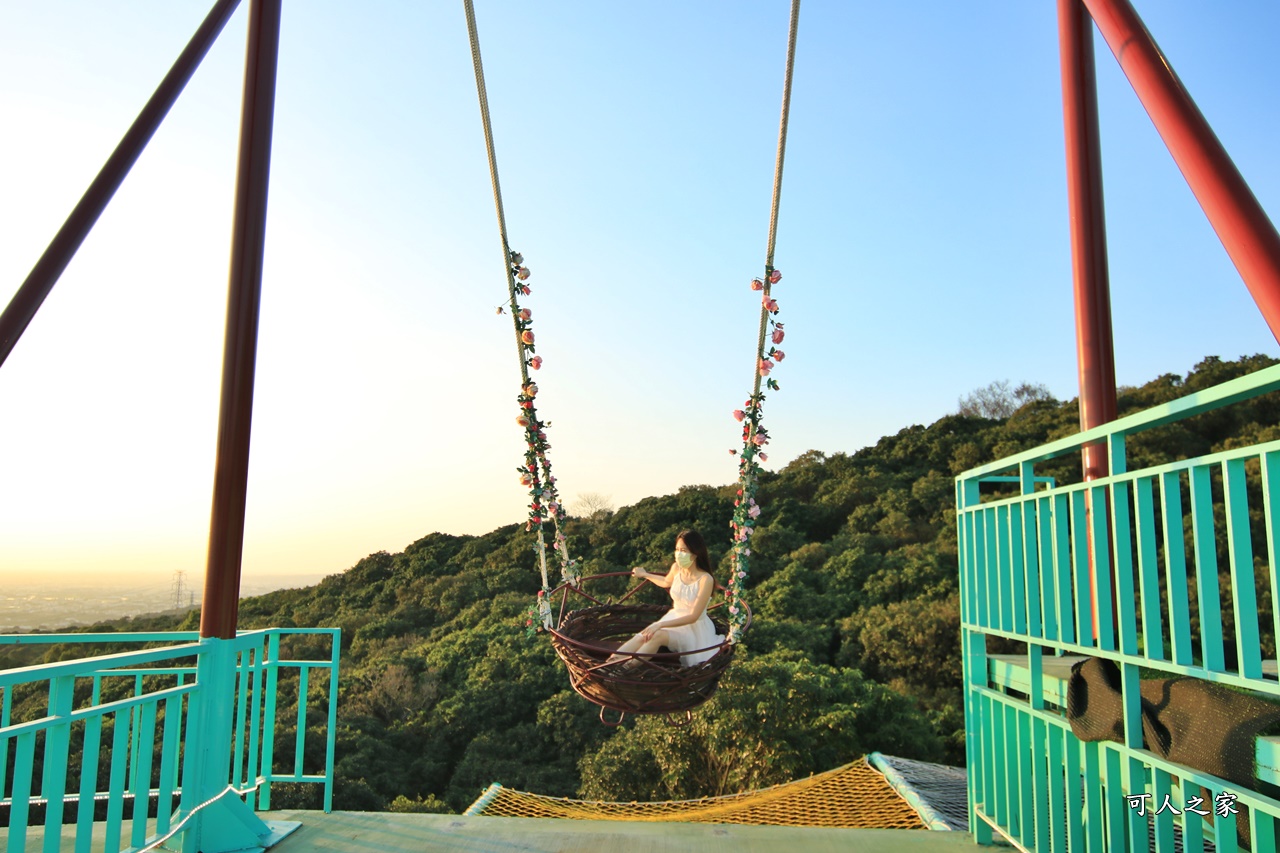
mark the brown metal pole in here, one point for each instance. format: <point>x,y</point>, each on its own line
<point>1240,222</point>
<point>220,607</point>
<point>1095,356</point>
<point>44,275</point>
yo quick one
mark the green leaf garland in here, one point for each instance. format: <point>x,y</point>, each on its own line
<point>746,509</point>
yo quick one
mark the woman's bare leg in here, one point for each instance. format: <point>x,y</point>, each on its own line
<point>639,645</point>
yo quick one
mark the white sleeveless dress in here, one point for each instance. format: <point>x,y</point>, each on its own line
<point>692,637</point>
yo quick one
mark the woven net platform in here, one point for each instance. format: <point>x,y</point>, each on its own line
<point>854,796</point>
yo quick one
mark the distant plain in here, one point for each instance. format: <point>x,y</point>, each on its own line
<point>43,604</point>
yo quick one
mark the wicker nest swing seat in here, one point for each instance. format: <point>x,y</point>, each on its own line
<point>655,683</point>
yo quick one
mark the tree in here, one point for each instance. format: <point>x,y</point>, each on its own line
<point>591,505</point>
<point>997,401</point>
<point>775,718</point>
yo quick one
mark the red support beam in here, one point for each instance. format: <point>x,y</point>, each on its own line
<point>1240,222</point>
<point>44,275</point>
<point>1095,356</point>
<point>220,610</point>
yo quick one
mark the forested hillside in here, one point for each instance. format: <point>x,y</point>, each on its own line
<point>855,646</point>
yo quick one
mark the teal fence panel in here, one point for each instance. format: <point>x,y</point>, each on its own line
<point>106,738</point>
<point>1169,570</point>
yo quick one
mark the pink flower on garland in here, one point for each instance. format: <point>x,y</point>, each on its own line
<point>759,439</point>
<point>524,288</point>
<point>778,335</point>
<point>765,366</point>
<point>522,273</point>
<point>522,421</point>
<point>526,337</point>
<point>771,305</point>
<point>738,414</point>
<point>536,362</point>
<point>525,313</point>
<point>764,457</point>
<point>775,276</point>
<point>531,390</point>
<point>779,355</point>
<point>757,284</point>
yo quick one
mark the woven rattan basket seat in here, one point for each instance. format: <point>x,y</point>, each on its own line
<point>656,684</point>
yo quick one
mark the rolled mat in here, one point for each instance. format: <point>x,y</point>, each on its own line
<point>1187,721</point>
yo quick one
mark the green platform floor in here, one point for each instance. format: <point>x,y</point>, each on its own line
<point>357,832</point>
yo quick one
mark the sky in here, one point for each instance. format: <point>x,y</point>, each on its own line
<point>923,240</point>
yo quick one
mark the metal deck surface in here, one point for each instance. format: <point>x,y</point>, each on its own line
<point>385,832</point>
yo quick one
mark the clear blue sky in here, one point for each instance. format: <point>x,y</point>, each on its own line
<point>923,241</point>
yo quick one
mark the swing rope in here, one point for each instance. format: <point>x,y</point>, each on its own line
<point>493,173</point>
<point>754,435</point>
<point>536,473</point>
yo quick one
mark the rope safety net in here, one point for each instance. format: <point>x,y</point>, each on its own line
<point>854,796</point>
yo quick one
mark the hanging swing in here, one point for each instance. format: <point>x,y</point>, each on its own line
<point>586,637</point>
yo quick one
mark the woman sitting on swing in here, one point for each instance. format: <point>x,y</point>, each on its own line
<point>686,627</point>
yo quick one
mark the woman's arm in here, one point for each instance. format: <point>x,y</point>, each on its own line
<point>663,581</point>
<point>705,586</point>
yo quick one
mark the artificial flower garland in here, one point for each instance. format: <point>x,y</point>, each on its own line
<point>535,474</point>
<point>754,437</point>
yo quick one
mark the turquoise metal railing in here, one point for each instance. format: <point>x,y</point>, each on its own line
<point>1027,546</point>
<point>118,738</point>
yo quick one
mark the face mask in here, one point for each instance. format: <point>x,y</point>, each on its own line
<point>684,558</point>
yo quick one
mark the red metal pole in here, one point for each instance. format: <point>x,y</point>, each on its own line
<point>44,275</point>
<point>219,611</point>
<point>1095,356</point>
<point>1240,222</point>
<point>1094,351</point>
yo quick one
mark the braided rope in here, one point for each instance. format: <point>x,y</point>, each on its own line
<point>777,186</point>
<point>545,495</point>
<point>483,94</point>
<point>782,132</point>
<point>754,436</point>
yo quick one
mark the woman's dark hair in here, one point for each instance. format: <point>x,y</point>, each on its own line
<point>697,547</point>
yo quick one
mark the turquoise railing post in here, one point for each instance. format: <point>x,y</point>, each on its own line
<point>1270,507</point>
<point>6,709</point>
<point>269,714</point>
<point>141,787</point>
<point>57,747</point>
<point>224,822</point>
<point>335,649</point>
<point>1240,556</point>
<point>255,716</point>
<point>1206,553</point>
<point>973,654</point>
<point>168,763</point>
<point>88,778</point>
<point>1175,556</point>
<point>300,732</point>
<point>116,783</point>
<point>240,774</point>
